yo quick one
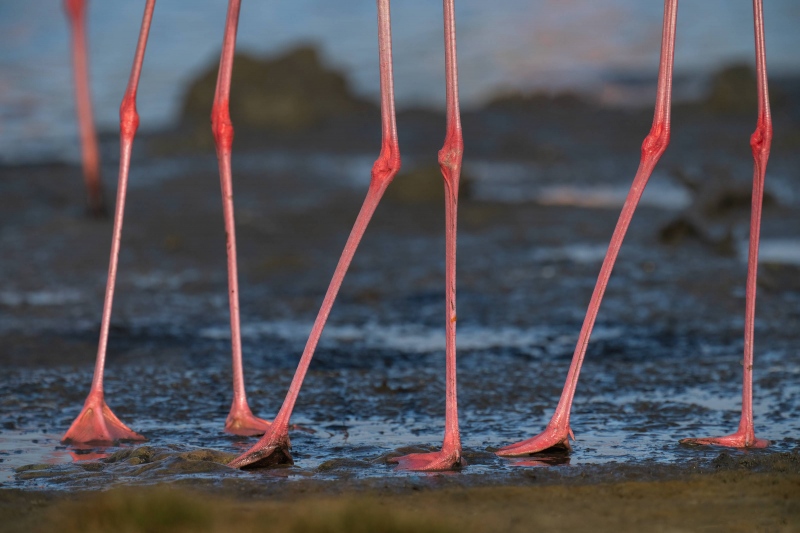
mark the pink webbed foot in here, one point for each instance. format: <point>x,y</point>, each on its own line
<point>740,439</point>
<point>449,458</point>
<point>551,438</point>
<point>97,424</point>
<point>241,421</point>
<point>271,450</point>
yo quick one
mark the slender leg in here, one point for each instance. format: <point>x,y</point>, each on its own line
<point>450,162</point>
<point>558,430</point>
<point>274,445</point>
<point>96,423</point>
<point>76,12</point>
<point>760,143</point>
<point>240,421</point>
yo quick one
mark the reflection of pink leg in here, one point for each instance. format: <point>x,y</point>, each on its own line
<point>76,12</point>
<point>274,445</point>
<point>96,423</point>
<point>558,431</point>
<point>760,143</point>
<point>450,161</point>
<point>240,421</point>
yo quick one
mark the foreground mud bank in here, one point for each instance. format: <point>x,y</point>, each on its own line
<point>727,501</point>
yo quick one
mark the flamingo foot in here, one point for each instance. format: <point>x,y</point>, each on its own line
<point>448,458</point>
<point>740,439</point>
<point>241,421</point>
<point>97,424</point>
<point>553,437</point>
<point>271,450</point>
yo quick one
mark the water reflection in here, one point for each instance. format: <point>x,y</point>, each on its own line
<point>20,448</point>
<point>543,460</point>
<point>90,454</point>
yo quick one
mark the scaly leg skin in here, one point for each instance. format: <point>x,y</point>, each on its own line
<point>92,423</point>
<point>76,12</point>
<point>450,162</point>
<point>760,143</point>
<point>558,429</point>
<point>240,420</point>
<point>273,448</point>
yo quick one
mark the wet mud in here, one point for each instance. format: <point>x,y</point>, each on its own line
<point>664,362</point>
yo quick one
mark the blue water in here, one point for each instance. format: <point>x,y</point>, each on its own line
<point>508,44</point>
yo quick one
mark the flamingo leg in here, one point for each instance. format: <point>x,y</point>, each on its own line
<point>90,154</point>
<point>557,432</point>
<point>449,456</point>
<point>96,423</point>
<point>240,420</point>
<point>760,142</point>
<point>273,447</point>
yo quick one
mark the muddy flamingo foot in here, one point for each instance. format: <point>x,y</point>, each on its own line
<point>271,450</point>
<point>446,459</point>
<point>97,424</point>
<point>740,439</point>
<point>550,438</point>
<point>241,421</point>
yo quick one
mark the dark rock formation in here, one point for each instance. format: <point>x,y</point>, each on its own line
<point>288,93</point>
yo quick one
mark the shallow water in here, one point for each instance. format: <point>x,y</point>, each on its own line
<point>377,389</point>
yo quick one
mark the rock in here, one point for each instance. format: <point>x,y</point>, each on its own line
<point>424,184</point>
<point>734,90</point>
<point>716,194</point>
<point>718,237</point>
<point>718,201</point>
<point>288,93</point>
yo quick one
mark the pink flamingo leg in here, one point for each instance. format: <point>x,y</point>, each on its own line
<point>240,420</point>
<point>96,423</point>
<point>558,431</point>
<point>760,143</point>
<point>274,445</point>
<point>449,456</point>
<point>76,12</point>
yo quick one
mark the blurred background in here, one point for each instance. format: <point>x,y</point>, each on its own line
<point>606,50</point>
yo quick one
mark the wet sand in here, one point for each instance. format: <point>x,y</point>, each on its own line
<point>664,362</point>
